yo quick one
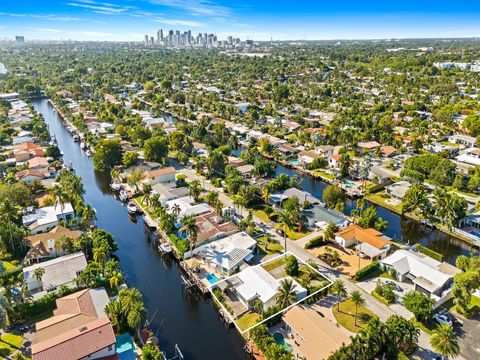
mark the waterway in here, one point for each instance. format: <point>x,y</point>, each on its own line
<point>177,316</point>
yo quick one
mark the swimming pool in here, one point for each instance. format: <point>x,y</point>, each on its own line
<point>294,162</point>
<point>349,183</point>
<point>212,278</point>
<point>280,340</point>
<point>125,348</point>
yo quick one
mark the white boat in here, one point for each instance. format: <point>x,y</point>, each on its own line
<point>165,247</point>
<point>88,152</point>
<point>132,208</point>
<point>76,138</point>
<point>83,146</point>
<point>123,195</point>
<point>116,187</point>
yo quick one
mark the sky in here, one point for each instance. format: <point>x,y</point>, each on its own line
<point>130,20</point>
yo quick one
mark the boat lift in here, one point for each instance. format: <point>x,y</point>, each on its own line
<point>178,354</point>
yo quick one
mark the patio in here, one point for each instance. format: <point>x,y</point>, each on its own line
<point>234,304</point>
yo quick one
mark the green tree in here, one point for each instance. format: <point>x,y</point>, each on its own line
<point>151,352</point>
<point>333,195</point>
<point>291,266</point>
<point>444,341</point>
<point>130,158</point>
<point>286,293</point>
<point>156,149</point>
<point>338,288</point>
<point>419,304</point>
<point>358,300</point>
<point>190,227</point>
<point>108,153</point>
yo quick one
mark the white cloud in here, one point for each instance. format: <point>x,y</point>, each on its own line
<point>102,8</point>
<point>196,7</point>
<point>178,22</point>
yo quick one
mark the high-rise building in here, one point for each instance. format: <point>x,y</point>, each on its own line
<point>146,39</point>
<point>152,40</point>
<point>20,39</point>
<point>160,36</point>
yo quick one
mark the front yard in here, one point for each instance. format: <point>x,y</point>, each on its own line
<point>345,316</point>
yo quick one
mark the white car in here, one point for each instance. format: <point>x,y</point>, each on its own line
<point>442,319</point>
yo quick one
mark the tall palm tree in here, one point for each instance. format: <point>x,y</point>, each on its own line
<point>9,213</point>
<point>59,198</point>
<point>189,226</point>
<point>128,299</point>
<point>358,300</point>
<point>266,194</point>
<point>286,293</point>
<point>374,336</point>
<point>114,313</point>
<point>444,341</point>
<point>38,273</point>
<point>285,221</point>
<point>176,210</point>
<point>136,316</point>
<point>100,255</point>
<point>338,288</point>
<point>194,190</point>
<point>115,279</point>
<point>88,215</point>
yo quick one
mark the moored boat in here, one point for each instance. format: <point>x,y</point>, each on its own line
<point>76,138</point>
<point>165,247</point>
<point>132,208</point>
<point>88,152</point>
<point>123,195</point>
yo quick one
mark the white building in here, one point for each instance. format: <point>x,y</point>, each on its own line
<point>186,206</point>
<point>43,219</point>
<point>429,276</point>
<point>57,272</point>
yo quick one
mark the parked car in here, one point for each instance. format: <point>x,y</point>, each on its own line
<point>442,319</point>
<point>394,285</point>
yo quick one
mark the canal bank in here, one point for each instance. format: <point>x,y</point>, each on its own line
<point>181,317</point>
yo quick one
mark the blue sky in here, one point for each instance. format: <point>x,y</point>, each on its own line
<point>260,19</point>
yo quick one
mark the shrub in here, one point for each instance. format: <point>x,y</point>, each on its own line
<point>365,271</point>
<point>429,252</point>
<point>386,292</point>
<point>314,242</point>
<point>181,244</point>
<point>291,266</point>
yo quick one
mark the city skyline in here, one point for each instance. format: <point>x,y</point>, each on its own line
<point>129,20</point>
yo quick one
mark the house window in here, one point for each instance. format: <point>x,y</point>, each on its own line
<point>110,348</point>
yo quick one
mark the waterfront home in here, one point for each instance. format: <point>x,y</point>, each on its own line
<point>473,221</point>
<point>256,284</point>
<point>212,226</point>
<point>306,157</point>
<point>26,151</point>
<point>468,141</point>
<point>45,218</point>
<point>225,256</point>
<point>429,276</point>
<point>368,146</point>
<point>164,175</point>
<point>42,246</point>
<point>325,150</point>
<point>16,140</point>
<point>439,147</point>
<point>398,190</point>
<point>369,242</point>
<point>334,161</point>
<point>186,206</point>
<point>61,271</point>
<point>319,217</point>
<point>278,198</point>
<point>315,335</point>
<point>169,191</point>
<point>38,163</point>
<point>235,161</point>
<point>30,175</point>
<point>378,176</point>
<point>78,329</point>
<point>287,150</point>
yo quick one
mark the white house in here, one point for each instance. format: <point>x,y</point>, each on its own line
<point>468,141</point>
<point>169,192</point>
<point>429,276</point>
<point>227,255</point>
<point>256,283</point>
<point>186,206</point>
<point>43,219</point>
<point>398,190</point>
<point>319,218</point>
<point>164,175</point>
<point>57,272</point>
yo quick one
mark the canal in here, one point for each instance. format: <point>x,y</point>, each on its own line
<point>177,316</point>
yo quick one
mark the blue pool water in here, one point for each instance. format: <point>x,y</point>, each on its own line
<point>349,183</point>
<point>125,347</point>
<point>212,278</point>
<point>280,340</point>
<point>474,233</point>
<point>294,162</point>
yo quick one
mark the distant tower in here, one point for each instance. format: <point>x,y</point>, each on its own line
<point>146,39</point>
<point>20,39</point>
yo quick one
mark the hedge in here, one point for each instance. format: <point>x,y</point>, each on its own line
<point>314,242</point>
<point>429,252</point>
<point>367,270</point>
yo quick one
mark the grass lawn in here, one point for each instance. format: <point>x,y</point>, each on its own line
<point>295,235</point>
<point>262,215</point>
<point>9,343</point>
<point>274,264</point>
<point>268,248</point>
<point>380,298</point>
<point>346,316</point>
<point>379,198</point>
<point>323,174</point>
<point>473,307</point>
<point>247,320</point>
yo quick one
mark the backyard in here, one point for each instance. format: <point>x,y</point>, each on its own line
<point>9,343</point>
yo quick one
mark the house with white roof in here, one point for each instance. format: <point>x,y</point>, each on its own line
<point>278,198</point>
<point>255,283</point>
<point>227,255</point>
<point>43,219</point>
<point>398,190</point>
<point>470,156</point>
<point>319,217</point>
<point>186,206</point>
<point>468,141</point>
<point>57,272</point>
<point>429,276</point>
<point>169,191</point>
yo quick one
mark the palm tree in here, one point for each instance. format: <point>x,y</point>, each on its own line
<point>286,293</point>
<point>285,221</point>
<point>8,212</point>
<point>176,210</point>
<point>444,341</point>
<point>266,194</point>
<point>115,279</point>
<point>59,197</point>
<point>194,190</point>
<point>88,215</point>
<point>136,316</point>
<point>38,273</point>
<point>358,300</point>
<point>100,255</point>
<point>338,288</point>
<point>114,313</point>
<point>128,299</point>
<point>189,226</point>
<point>374,336</point>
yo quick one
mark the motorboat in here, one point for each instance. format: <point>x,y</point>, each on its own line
<point>165,247</point>
<point>76,138</point>
<point>88,152</point>
<point>123,195</point>
<point>116,186</point>
<point>83,146</point>
<point>132,208</point>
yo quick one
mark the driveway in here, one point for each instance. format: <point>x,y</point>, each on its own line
<point>469,333</point>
